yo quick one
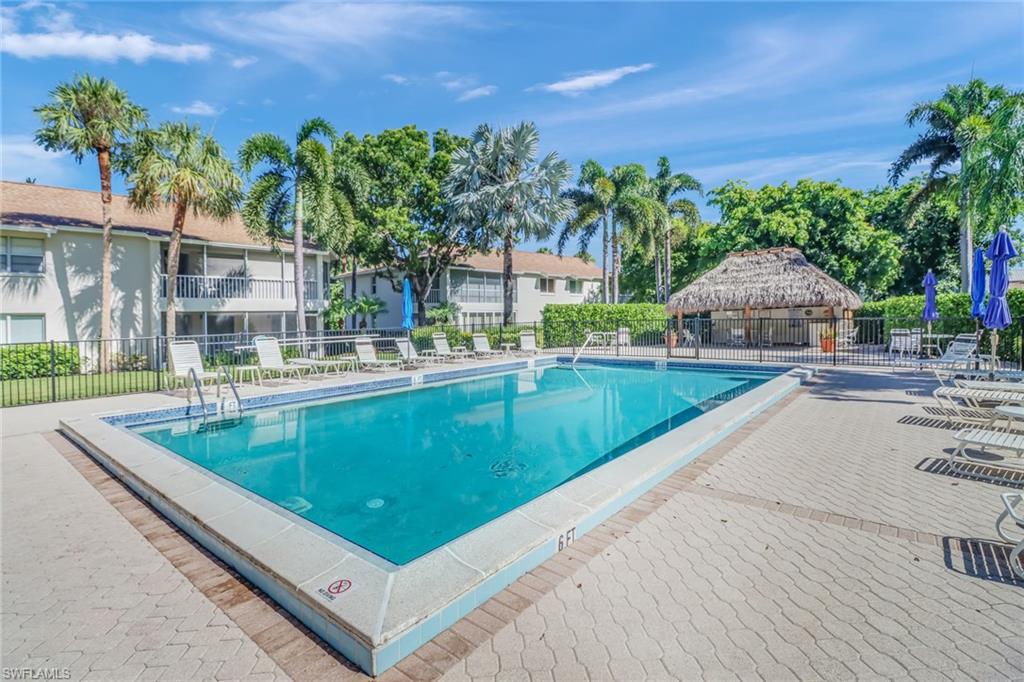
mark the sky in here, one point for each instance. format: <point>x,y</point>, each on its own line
<point>761,92</point>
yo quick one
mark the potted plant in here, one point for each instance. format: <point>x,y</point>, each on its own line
<point>827,337</point>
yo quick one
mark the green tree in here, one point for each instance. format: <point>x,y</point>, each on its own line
<point>445,313</point>
<point>827,221</point>
<point>295,189</point>
<point>928,235</point>
<point>92,116</point>
<point>621,202</point>
<point>994,171</point>
<point>682,214</point>
<point>366,307</point>
<point>499,183</point>
<point>953,123</point>
<point>180,166</point>
<point>409,231</point>
<point>592,198</point>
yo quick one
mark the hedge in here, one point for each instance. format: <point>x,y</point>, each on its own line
<point>28,361</point>
<point>422,337</point>
<point>566,324</point>
<point>954,318</point>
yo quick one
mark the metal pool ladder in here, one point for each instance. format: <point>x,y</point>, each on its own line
<point>226,406</point>
<point>590,337</point>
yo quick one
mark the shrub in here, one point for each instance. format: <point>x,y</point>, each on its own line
<point>566,324</point>
<point>28,361</point>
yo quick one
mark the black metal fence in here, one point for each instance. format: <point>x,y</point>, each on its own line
<point>70,370</point>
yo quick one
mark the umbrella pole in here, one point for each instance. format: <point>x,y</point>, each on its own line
<point>995,348</point>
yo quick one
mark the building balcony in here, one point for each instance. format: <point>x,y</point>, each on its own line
<point>206,287</point>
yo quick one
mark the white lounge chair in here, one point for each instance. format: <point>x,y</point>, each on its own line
<point>953,375</point>
<point>528,342</point>
<point>1016,558</point>
<point>185,357</point>
<point>847,338</point>
<point>366,354</point>
<point>623,337</point>
<point>985,439</point>
<point>272,362</point>
<point>482,347</point>
<point>973,405</point>
<point>959,353</point>
<point>443,350</point>
<point>407,351</point>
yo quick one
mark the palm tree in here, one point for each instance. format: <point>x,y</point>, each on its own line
<point>637,216</point>
<point>498,183</point>
<point>178,165</point>
<point>92,115</point>
<point>296,189</point>
<point>666,185</point>
<point>951,120</point>
<point>995,173</point>
<point>592,198</point>
<point>368,306</point>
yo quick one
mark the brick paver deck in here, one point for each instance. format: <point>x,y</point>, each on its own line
<point>824,540</point>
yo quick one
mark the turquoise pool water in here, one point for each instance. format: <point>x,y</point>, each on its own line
<point>403,473</point>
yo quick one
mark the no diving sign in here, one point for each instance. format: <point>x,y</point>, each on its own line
<point>331,591</point>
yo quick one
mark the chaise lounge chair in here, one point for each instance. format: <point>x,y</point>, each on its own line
<point>973,404</point>
<point>407,351</point>
<point>482,347</point>
<point>528,343</point>
<point>444,351</point>
<point>185,358</point>
<point>1016,558</point>
<point>272,362</point>
<point>366,354</point>
<point>982,439</point>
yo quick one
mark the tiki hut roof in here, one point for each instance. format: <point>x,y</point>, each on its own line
<point>768,278</point>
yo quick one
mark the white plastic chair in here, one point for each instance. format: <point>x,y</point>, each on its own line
<point>528,343</point>
<point>622,337</point>
<point>407,351</point>
<point>482,347</point>
<point>268,353</point>
<point>185,357</point>
<point>444,351</point>
<point>366,355</point>
<point>1016,558</point>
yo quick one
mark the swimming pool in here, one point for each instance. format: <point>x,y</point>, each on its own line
<point>380,511</point>
<point>404,473</point>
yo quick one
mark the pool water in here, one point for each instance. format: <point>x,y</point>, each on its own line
<point>403,473</point>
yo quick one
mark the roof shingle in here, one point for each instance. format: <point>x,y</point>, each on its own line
<point>32,205</point>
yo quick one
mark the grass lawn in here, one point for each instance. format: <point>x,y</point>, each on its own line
<point>27,391</point>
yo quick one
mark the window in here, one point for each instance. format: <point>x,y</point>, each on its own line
<point>373,284</point>
<point>547,285</point>
<point>574,286</point>
<point>22,328</point>
<point>21,256</point>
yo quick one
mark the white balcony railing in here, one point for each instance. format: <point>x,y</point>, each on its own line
<point>210,287</point>
<point>433,296</point>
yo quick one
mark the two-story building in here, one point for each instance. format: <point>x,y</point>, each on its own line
<point>475,285</point>
<point>51,248</point>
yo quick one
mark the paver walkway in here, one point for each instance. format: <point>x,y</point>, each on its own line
<point>824,540</point>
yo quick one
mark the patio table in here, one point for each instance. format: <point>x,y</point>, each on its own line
<point>507,348</point>
<point>936,343</point>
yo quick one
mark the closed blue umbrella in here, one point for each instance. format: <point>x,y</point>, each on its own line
<point>978,284</point>
<point>997,314</point>
<point>931,311</point>
<point>406,304</point>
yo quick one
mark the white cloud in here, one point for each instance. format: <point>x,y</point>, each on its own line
<point>21,157</point>
<point>454,82</point>
<point>574,85</point>
<point>57,36</point>
<point>476,93</point>
<point>196,108</point>
<point>305,31</point>
<point>396,78</point>
<point>242,62</point>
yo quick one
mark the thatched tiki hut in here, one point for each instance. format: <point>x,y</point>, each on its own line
<point>775,284</point>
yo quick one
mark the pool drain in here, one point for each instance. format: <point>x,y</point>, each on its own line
<point>375,503</point>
